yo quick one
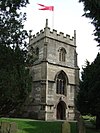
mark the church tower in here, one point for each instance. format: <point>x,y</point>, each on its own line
<point>54,75</point>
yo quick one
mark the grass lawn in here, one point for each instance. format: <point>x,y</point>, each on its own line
<point>74,128</point>
<point>32,126</point>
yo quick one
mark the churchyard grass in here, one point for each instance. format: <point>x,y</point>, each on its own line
<point>32,126</point>
<point>74,128</point>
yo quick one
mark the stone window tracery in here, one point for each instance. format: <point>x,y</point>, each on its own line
<point>62,54</point>
<point>61,84</point>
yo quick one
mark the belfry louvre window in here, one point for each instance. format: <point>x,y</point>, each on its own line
<point>62,54</point>
<point>61,84</point>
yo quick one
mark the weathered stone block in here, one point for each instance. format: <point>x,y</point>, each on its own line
<point>81,124</point>
<point>5,127</point>
<point>13,127</point>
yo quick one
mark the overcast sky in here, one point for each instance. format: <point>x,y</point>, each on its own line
<point>67,17</point>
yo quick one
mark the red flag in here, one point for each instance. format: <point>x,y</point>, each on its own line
<point>50,8</point>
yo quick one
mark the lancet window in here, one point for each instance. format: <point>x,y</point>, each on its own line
<point>62,55</point>
<point>37,52</point>
<point>61,84</point>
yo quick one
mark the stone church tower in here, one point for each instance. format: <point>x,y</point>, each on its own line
<point>54,75</point>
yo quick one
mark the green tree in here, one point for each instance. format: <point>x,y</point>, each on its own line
<point>89,95</point>
<point>11,22</point>
<point>15,81</point>
<point>92,11</point>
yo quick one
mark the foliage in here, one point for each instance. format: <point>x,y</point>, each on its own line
<point>15,82</point>
<point>92,11</point>
<point>89,118</point>
<point>32,56</point>
<point>89,96</point>
<point>74,128</point>
<point>11,22</point>
<point>90,124</point>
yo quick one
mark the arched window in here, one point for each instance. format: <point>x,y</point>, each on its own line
<point>62,54</point>
<point>37,52</point>
<point>61,84</point>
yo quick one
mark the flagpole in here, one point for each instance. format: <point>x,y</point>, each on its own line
<point>53,19</point>
<point>52,14</point>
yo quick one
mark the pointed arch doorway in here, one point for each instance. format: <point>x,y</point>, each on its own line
<point>61,111</point>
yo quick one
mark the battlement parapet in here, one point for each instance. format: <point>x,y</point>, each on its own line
<point>52,34</point>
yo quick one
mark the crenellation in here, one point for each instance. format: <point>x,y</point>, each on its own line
<point>53,35</point>
<point>37,33</point>
<point>72,38</point>
<point>64,37</point>
<point>61,33</point>
<point>48,28</point>
<point>34,36</point>
<point>67,36</point>
<point>54,31</point>
<point>51,32</point>
<point>41,31</point>
<point>58,34</point>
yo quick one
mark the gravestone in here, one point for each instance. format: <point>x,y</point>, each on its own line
<point>7,127</point>
<point>81,124</point>
<point>13,127</point>
<point>66,127</point>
